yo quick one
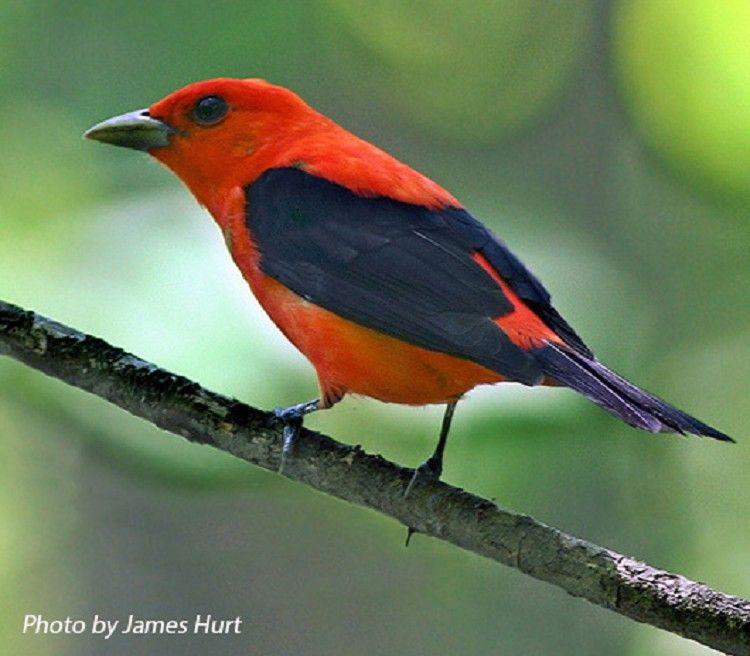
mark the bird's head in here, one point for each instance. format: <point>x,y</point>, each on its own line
<point>214,134</point>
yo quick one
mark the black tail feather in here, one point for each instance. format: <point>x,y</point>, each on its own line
<point>615,394</point>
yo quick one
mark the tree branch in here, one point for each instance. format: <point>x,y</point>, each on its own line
<point>178,405</point>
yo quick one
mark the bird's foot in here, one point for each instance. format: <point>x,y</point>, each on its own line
<point>292,418</point>
<point>429,471</point>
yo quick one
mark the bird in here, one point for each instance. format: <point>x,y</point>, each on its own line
<point>379,276</point>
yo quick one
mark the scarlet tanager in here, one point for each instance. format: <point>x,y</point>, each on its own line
<point>379,276</point>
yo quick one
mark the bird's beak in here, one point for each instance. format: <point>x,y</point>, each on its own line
<point>135,130</point>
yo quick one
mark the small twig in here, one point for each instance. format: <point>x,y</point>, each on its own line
<point>178,405</point>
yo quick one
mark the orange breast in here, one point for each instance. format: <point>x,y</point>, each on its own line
<point>351,358</point>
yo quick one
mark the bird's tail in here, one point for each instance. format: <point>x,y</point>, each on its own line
<point>616,395</point>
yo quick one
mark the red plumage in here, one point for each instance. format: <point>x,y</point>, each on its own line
<point>376,273</point>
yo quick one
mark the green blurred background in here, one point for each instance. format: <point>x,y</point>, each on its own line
<point>608,143</point>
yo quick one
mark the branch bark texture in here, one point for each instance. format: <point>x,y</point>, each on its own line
<point>178,405</point>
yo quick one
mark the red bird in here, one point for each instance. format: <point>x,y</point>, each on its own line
<point>378,275</point>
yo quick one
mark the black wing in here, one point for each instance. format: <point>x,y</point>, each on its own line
<point>523,282</point>
<point>401,269</point>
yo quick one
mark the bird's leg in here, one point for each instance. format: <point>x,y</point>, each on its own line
<point>431,468</point>
<point>292,418</point>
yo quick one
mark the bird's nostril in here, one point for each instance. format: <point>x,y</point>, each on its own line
<point>145,113</point>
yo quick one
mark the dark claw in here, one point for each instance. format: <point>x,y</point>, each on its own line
<point>292,418</point>
<point>428,471</point>
<point>292,425</point>
<point>298,411</point>
<point>291,437</point>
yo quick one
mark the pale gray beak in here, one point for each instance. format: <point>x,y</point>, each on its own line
<point>135,130</point>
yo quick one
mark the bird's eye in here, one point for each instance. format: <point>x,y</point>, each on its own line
<point>209,110</point>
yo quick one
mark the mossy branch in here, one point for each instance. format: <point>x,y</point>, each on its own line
<point>181,406</point>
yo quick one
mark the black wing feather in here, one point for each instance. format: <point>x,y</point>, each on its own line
<point>401,269</point>
<point>523,282</point>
